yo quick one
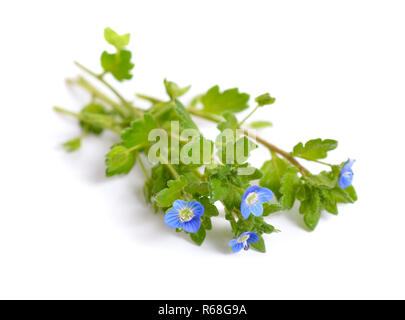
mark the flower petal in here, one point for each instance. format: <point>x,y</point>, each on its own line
<point>179,204</point>
<point>245,209</point>
<point>244,234</point>
<point>265,195</point>
<point>257,209</point>
<point>346,179</point>
<point>196,207</point>
<point>253,237</point>
<point>172,219</point>
<point>237,247</point>
<point>232,242</point>
<point>192,226</point>
<point>348,165</point>
<point>250,190</point>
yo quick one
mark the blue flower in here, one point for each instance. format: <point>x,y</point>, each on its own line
<point>185,215</point>
<point>243,240</point>
<point>346,175</point>
<point>252,201</point>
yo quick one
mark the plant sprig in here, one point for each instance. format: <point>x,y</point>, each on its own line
<point>164,137</point>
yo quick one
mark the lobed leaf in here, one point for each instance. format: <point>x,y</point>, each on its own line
<point>314,149</point>
<point>264,99</point>
<point>290,182</point>
<point>230,100</point>
<point>173,90</point>
<point>118,64</point>
<point>273,171</point>
<point>167,196</point>
<point>119,160</point>
<point>113,38</point>
<point>137,134</point>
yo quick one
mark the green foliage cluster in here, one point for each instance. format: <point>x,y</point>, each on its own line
<point>218,181</point>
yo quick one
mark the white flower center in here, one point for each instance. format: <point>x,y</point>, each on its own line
<point>186,215</point>
<point>252,198</point>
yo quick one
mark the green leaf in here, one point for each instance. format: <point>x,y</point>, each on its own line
<point>264,99</point>
<point>160,176</point>
<point>347,195</point>
<point>230,100</point>
<point>119,160</point>
<point>328,201</point>
<point>200,189</point>
<point>199,236</point>
<point>210,210</point>
<point>311,209</point>
<point>289,185</point>
<point>113,38</point>
<point>259,246</point>
<point>206,223</point>
<point>218,189</point>
<point>173,90</point>
<point>92,108</point>
<point>137,134</point>
<point>225,191</point>
<point>245,168</point>
<point>118,64</point>
<point>324,180</point>
<point>271,208</point>
<point>351,192</point>
<point>260,226</point>
<point>260,124</point>
<point>314,149</point>
<point>184,117</point>
<point>230,122</point>
<point>73,144</point>
<point>97,120</point>
<point>273,170</point>
<point>167,196</point>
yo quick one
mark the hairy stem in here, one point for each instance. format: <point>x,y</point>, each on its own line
<point>324,163</point>
<point>248,116</point>
<point>82,82</point>
<point>130,108</point>
<point>148,98</point>
<point>173,171</point>
<point>143,167</point>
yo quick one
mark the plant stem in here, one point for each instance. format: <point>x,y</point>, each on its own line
<point>281,152</point>
<point>138,146</point>
<point>80,117</point>
<point>248,116</point>
<point>205,115</point>
<point>137,112</point>
<point>263,142</point>
<point>82,82</point>
<point>321,162</point>
<point>199,174</point>
<point>145,172</point>
<point>173,171</point>
<point>148,98</point>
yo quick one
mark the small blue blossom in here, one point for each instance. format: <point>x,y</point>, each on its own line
<point>242,241</point>
<point>185,215</point>
<point>252,201</point>
<point>346,175</point>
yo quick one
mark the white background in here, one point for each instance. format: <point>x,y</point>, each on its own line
<point>337,69</point>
